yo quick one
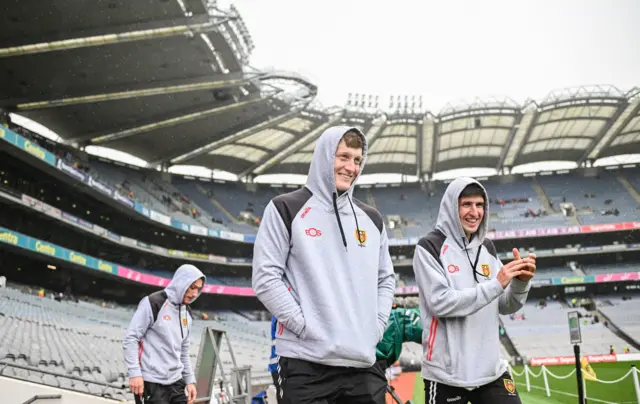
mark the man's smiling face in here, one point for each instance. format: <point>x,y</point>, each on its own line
<point>346,165</point>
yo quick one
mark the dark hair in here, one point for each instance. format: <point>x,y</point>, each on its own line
<point>473,190</point>
<point>353,140</point>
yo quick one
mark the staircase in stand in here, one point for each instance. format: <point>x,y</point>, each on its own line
<point>218,205</point>
<point>629,187</point>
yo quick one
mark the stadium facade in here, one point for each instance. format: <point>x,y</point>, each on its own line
<point>171,84</point>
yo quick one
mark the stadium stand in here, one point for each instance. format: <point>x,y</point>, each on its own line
<point>624,313</point>
<point>183,94</point>
<point>410,209</point>
<point>79,345</point>
<point>512,205</point>
<point>597,199</point>
<point>543,330</point>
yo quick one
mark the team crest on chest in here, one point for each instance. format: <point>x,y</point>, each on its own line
<point>486,270</point>
<point>509,385</point>
<point>184,321</point>
<point>361,236</point>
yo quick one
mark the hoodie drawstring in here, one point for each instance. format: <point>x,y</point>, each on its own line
<point>180,320</point>
<point>475,264</point>
<point>335,209</point>
<point>356,219</point>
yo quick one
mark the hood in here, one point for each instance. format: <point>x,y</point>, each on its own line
<point>182,279</point>
<point>449,219</point>
<point>321,179</point>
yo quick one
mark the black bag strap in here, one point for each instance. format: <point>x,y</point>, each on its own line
<point>157,299</point>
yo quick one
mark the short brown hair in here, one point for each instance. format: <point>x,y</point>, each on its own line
<point>353,140</point>
<point>473,189</point>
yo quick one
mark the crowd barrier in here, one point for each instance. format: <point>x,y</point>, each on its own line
<point>545,374</point>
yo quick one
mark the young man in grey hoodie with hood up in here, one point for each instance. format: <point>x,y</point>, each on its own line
<point>321,266</point>
<point>463,286</point>
<point>156,343</point>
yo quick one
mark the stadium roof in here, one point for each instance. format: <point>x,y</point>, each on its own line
<point>581,124</point>
<point>169,82</point>
<point>156,79</point>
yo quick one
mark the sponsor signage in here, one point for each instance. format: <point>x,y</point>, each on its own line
<point>159,217</point>
<point>100,186</point>
<point>124,200</point>
<point>570,280</point>
<point>69,170</point>
<point>27,145</point>
<point>7,135</point>
<point>14,238</point>
<point>227,235</point>
<point>198,256</point>
<point>570,360</point>
<point>200,230</point>
<point>621,277</point>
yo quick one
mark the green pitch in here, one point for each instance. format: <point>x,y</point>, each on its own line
<point>564,391</point>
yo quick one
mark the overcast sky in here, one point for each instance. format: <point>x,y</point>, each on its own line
<point>447,51</point>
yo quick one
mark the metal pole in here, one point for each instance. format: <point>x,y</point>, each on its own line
<point>393,394</point>
<point>576,350</point>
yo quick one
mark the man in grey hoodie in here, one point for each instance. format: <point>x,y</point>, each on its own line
<point>156,343</point>
<point>321,266</point>
<point>463,286</point>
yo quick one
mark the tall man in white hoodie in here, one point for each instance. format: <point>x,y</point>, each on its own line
<point>321,266</point>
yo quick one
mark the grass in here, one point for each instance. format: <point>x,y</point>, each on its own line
<point>564,391</point>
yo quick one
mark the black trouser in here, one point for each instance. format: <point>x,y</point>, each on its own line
<point>501,391</point>
<point>155,393</point>
<point>305,382</point>
<point>276,383</point>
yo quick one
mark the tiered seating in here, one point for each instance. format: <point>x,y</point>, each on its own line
<point>116,176</point>
<point>190,189</point>
<point>625,315</point>
<point>541,222</point>
<point>233,281</point>
<point>513,190</point>
<point>161,189</point>
<point>84,340</point>
<point>410,202</point>
<point>553,272</point>
<point>421,208</point>
<point>611,268</point>
<point>417,206</point>
<point>633,176</point>
<point>606,187</point>
<point>545,332</point>
<point>235,198</point>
